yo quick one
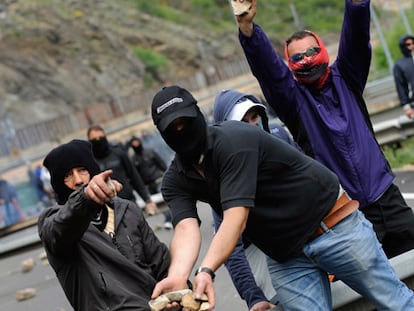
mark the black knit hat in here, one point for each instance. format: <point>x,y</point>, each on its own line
<point>76,153</point>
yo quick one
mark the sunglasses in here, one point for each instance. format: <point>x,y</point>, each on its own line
<point>309,52</point>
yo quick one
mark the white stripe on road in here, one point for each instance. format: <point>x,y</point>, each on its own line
<point>408,196</point>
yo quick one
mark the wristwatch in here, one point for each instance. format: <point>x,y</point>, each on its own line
<point>207,270</point>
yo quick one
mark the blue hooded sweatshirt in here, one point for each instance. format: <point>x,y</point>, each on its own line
<point>227,99</point>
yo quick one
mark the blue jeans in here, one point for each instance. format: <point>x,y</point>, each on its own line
<point>351,251</point>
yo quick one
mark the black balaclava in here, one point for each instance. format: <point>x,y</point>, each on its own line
<point>100,147</point>
<point>136,149</point>
<point>172,103</point>
<point>190,143</point>
<point>60,160</point>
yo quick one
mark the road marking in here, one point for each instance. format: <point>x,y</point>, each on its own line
<point>408,196</point>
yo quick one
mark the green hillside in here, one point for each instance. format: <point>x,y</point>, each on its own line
<point>60,56</point>
<point>274,16</point>
<point>277,18</point>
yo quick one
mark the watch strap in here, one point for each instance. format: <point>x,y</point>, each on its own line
<point>207,270</point>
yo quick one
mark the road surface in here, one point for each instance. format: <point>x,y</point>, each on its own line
<point>50,296</point>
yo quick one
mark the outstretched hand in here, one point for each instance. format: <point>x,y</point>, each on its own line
<point>101,188</point>
<point>246,20</point>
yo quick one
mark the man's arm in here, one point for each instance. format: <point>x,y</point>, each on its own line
<point>223,243</point>
<point>401,84</point>
<point>274,76</point>
<point>60,228</point>
<point>184,250</point>
<point>354,51</point>
<point>240,272</point>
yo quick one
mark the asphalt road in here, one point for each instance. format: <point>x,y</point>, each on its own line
<point>50,297</point>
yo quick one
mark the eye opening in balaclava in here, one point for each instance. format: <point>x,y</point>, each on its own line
<point>189,143</point>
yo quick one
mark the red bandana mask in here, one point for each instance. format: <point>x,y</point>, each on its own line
<point>313,70</point>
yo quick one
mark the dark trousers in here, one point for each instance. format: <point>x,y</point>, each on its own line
<point>393,222</point>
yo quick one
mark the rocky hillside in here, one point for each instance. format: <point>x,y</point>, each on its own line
<point>57,56</point>
<point>61,55</point>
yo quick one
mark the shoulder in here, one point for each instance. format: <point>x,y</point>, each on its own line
<point>233,131</point>
<point>232,137</point>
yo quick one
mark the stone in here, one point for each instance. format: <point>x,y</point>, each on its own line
<point>27,265</point>
<point>25,294</point>
<point>188,301</point>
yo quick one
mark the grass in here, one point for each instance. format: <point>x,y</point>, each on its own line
<point>275,16</point>
<point>393,30</point>
<point>400,157</point>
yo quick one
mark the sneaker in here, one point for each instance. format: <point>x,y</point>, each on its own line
<point>168,225</point>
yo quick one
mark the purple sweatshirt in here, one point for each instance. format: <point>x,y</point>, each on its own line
<point>329,124</point>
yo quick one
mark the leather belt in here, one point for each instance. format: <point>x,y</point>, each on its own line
<point>343,207</point>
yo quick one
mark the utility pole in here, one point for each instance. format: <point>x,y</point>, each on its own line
<point>404,18</point>
<point>382,39</point>
<point>296,19</point>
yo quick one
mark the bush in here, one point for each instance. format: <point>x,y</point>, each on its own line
<point>399,157</point>
<point>154,63</point>
<point>392,28</point>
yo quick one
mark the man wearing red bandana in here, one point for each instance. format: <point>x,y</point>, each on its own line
<point>324,110</point>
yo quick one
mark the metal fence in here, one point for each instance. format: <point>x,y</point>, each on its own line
<point>50,130</point>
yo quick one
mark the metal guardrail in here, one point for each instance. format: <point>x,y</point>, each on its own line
<point>380,88</point>
<point>394,130</point>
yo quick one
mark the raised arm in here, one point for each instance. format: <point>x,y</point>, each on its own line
<point>354,52</point>
<point>274,76</point>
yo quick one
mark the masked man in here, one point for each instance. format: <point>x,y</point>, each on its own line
<point>323,108</point>
<point>105,255</point>
<point>289,205</point>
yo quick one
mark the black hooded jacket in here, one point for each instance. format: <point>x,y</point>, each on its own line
<point>95,270</point>
<point>404,73</point>
<point>147,161</point>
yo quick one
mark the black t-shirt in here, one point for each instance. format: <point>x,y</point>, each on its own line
<point>288,193</point>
